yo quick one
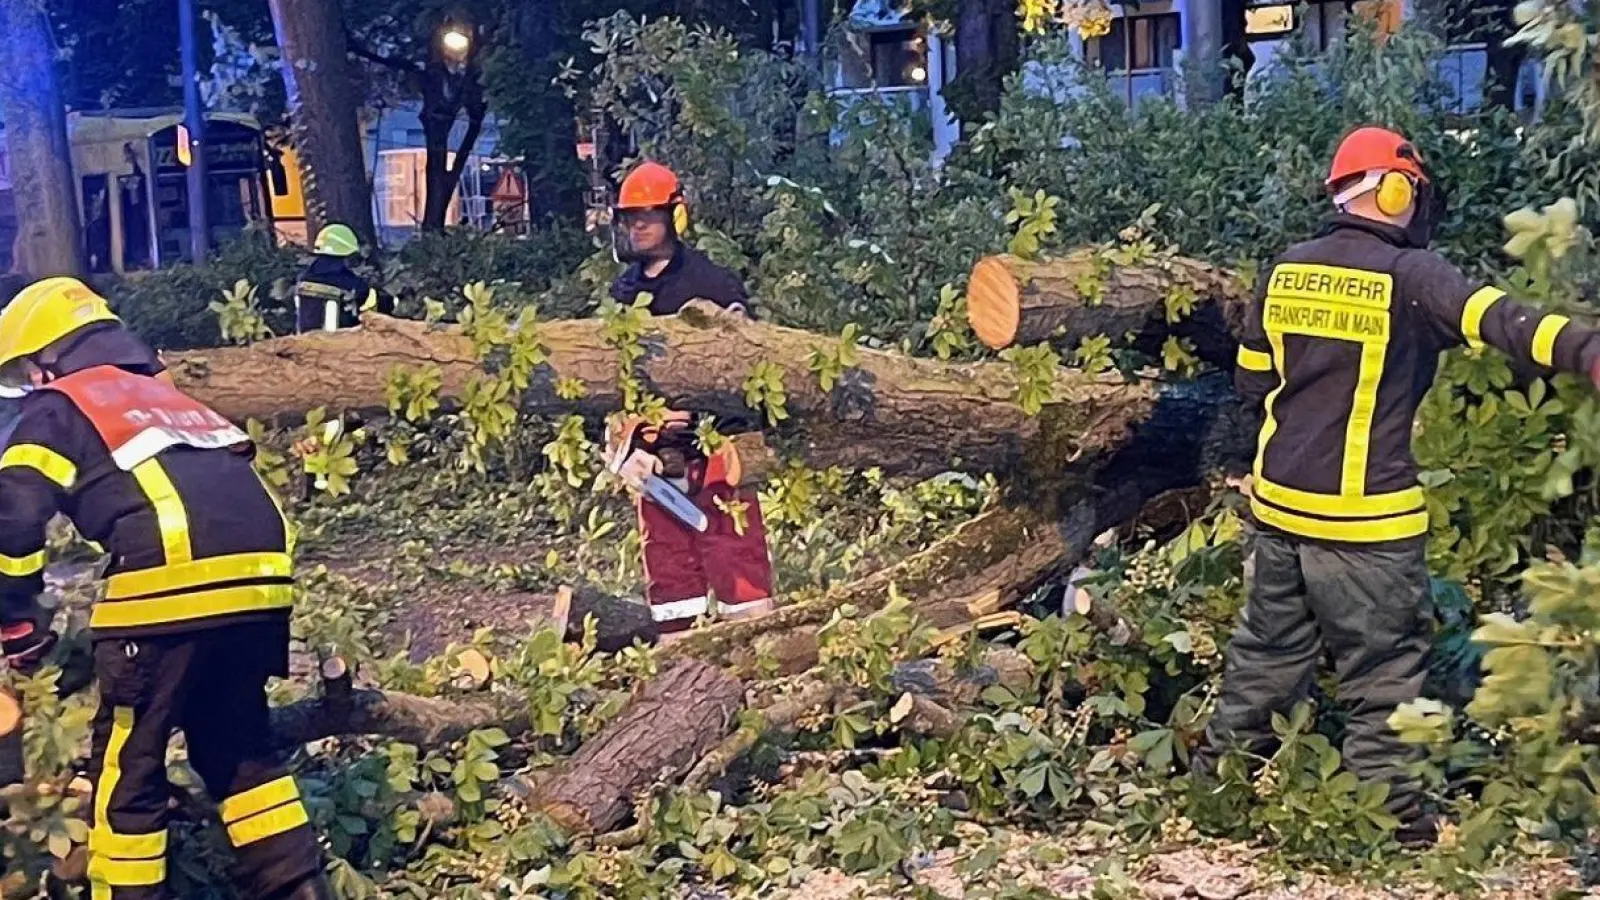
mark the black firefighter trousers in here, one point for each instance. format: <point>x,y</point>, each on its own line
<point>1371,608</point>
<point>211,684</point>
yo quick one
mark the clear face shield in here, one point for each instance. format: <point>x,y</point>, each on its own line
<point>19,378</point>
<point>638,234</point>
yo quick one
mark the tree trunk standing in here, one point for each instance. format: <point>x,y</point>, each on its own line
<point>49,238</point>
<point>447,92</point>
<point>542,123</point>
<point>987,49</point>
<point>322,113</point>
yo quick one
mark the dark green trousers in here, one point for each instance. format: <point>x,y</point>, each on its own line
<point>1370,608</point>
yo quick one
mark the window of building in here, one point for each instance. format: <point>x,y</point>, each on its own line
<point>893,58</point>
<point>1137,43</point>
<point>399,185</point>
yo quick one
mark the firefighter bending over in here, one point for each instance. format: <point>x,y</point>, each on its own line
<point>1340,345</point>
<point>704,540</point>
<point>196,613</point>
<point>330,295</point>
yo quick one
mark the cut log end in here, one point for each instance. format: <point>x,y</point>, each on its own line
<point>994,303</point>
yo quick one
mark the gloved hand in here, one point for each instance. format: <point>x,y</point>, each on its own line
<point>638,466</point>
<point>26,646</point>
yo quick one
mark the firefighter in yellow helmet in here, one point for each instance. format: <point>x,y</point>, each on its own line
<point>196,611</point>
<point>330,295</point>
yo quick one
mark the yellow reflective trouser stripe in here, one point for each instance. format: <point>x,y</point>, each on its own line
<point>1360,531</point>
<point>105,874</point>
<point>21,566</point>
<point>1368,507</point>
<point>261,812</point>
<point>198,573</point>
<point>106,870</point>
<point>193,605</point>
<point>105,842</point>
<point>1254,360</point>
<point>1472,314</point>
<point>273,822</point>
<point>45,461</point>
<point>171,517</point>
<point>258,800</point>
<point>1544,338</point>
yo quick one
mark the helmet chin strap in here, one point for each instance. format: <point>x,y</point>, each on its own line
<point>1366,185</point>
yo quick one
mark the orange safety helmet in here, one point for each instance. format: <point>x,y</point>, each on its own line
<point>650,186</point>
<point>1373,149</point>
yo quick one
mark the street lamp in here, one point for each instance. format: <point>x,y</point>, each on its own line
<point>455,40</point>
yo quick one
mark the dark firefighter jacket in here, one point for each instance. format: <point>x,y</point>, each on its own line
<point>689,276</point>
<point>1341,343</point>
<point>166,486</point>
<point>329,278</point>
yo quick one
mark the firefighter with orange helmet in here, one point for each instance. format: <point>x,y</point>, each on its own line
<point>1340,345</point>
<point>705,546</point>
<point>195,617</point>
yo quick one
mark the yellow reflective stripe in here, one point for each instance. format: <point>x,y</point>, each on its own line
<point>1544,338</point>
<point>111,764</point>
<point>259,799</point>
<point>171,517</point>
<point>194,605</point>
<point>1358,429</point>
<point>1254,360</point>
<point>1269,425</point>
<point>105,873</point>
<point>288,527</point>
<point>1358,532</point>
<point>127,846</point>
<point>268,824</point>
<point>43,460</point>
<point>22,566</point>
<point>1472,314</point>
<point>198,573</point>
<point>1371,506</point>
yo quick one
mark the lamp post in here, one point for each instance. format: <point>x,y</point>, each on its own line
<point>194,132</point>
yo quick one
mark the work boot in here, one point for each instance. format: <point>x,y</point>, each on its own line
<point>314,888</point>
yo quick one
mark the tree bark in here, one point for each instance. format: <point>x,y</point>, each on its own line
<point>445,95</point>
<point>1066,299</point>
<point>49,238</point>
<point>900,414</point>
<point>672,720</point>
<point>999,557</point>
<point>322,114</point>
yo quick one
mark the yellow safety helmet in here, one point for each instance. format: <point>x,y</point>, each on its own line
<point>337,240</point>
<point>40,315</point>
<point>47,311</point>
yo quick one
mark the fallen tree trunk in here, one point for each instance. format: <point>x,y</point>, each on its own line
<point>343,709</point>
<point>672,720</point>
<point>999,557</point>
<point>897,413</point>
<point>1016,301</point>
